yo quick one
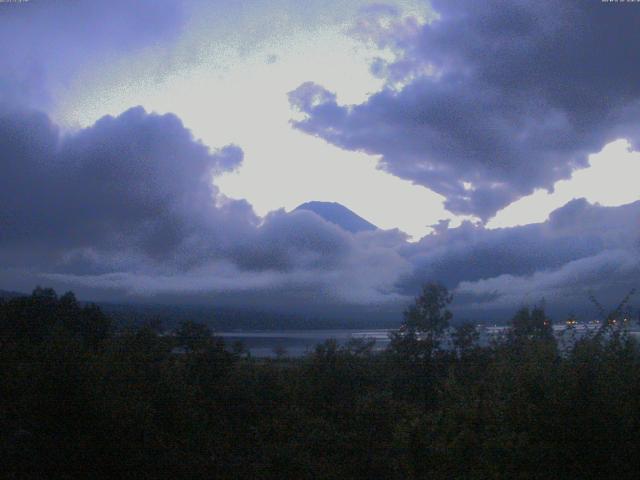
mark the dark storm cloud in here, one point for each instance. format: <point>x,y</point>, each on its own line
<point>507,96</point>
<point>576,230</point>
<point>129,204</point>
<point>45,43</point>
<point>609,275</point>
<point>298,239</point>
<point>137,183</point>
<point>128,208</point>
<point>580,248</point>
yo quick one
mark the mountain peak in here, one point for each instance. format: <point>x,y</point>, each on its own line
<point>339,215</point>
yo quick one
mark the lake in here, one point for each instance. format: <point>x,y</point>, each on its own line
<point>296,343</point>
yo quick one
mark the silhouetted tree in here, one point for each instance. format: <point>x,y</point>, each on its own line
<point>194,336</point>
<point>77,398</point>
<point>416,346</point>
<point>530,325</point>
<point>429,315</point>
<point>465,337</point>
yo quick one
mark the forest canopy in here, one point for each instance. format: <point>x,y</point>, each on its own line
<point>80,397</point>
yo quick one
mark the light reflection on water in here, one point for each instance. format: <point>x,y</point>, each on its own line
<point>296,343</point>
<point>299,342</point>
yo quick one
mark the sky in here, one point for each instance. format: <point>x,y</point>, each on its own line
<point>155,151</point>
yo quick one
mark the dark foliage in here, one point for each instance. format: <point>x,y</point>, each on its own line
<point>80,399</point>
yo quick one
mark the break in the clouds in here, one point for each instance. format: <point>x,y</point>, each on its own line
<point>482,103</point>
<point>488,101</point>
<point>127,209</point>
<point>580,249</point>
<point>132,198</point>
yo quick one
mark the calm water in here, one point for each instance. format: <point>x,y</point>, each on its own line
<point>297,343</point>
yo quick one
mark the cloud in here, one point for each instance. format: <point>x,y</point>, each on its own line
<point>483,104</point>
<point>580,248</point>
<point>138,183</point>
<point>489,100</point>
<point>293,240</point>
<point>128,208</point>
<point>132,199</point>
<point>48,42</point>
<point>609,275</point>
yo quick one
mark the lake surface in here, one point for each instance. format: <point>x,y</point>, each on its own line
<point>296,343</point>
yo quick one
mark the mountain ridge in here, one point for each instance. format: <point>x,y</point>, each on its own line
<point>339,215</point>
<point>7,294</point>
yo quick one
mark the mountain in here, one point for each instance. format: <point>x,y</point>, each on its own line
<point>338,214</point>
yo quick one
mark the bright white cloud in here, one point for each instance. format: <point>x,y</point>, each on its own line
<point>611,179</point>
<point>228,92</point>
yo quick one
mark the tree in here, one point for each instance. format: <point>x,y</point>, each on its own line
<point>194,336</point>
<point>416,345</point>
<point>280,352</point>
<point>465,337</point>
<point>429,314</point>
<point>618,316</point>
<point>33,319</point>
<point>531,324</point>
<point>425,321</point>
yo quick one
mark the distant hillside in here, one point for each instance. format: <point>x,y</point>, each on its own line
<point>8,294</point>
<point>230,319</point>
<point>339,215</point>
<point>224,318</point>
